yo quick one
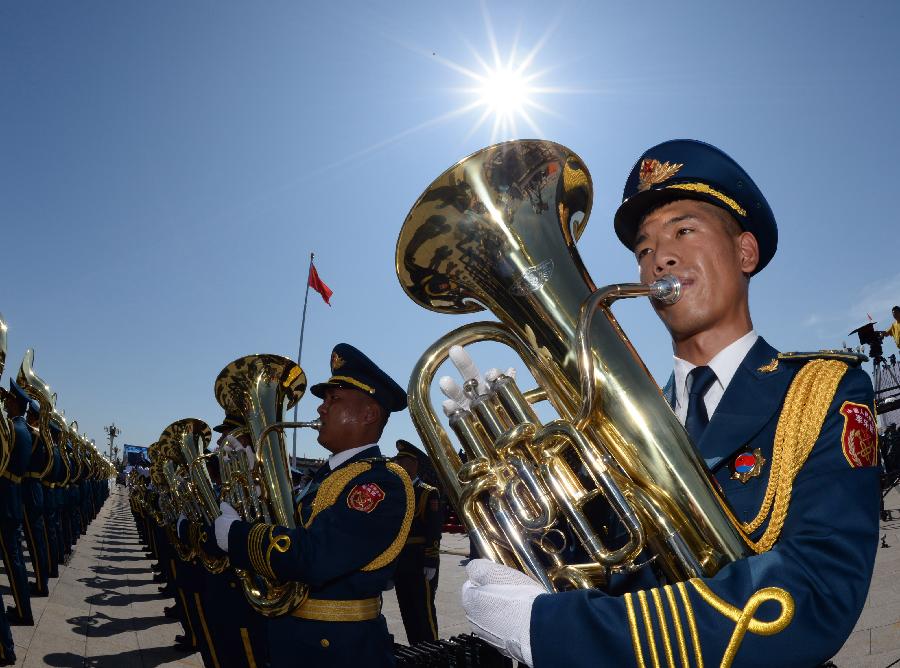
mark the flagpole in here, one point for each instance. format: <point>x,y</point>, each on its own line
<point>300,348</point>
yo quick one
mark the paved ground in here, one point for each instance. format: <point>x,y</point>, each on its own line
<point>104,611</point>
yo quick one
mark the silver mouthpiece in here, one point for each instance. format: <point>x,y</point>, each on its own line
<point>666,289</point>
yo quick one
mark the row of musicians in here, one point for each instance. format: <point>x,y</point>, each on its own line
<point>217,619</point>
<point>45,503</point>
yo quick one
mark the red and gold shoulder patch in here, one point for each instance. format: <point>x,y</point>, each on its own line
<point>859,440</point>
<point>365,497</point>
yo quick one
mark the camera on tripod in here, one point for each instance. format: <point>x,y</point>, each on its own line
<point>869,337</point>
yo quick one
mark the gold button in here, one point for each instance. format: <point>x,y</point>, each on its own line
<point>324,642</point>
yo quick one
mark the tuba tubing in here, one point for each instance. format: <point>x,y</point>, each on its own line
<point>498,231</point>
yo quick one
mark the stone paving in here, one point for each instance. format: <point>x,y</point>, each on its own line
<point>105,611</point>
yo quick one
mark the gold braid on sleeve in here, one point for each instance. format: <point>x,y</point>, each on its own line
<point>805,408</point>
<point>394,548</point>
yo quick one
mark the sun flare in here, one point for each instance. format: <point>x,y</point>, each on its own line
<point>505,92</point>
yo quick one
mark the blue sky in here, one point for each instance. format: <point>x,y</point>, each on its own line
<point>166,169</point>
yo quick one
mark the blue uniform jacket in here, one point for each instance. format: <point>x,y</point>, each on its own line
<point>350,529</point>
<point>11,481</point>
<point>823,558</point>
<point>32,489</point>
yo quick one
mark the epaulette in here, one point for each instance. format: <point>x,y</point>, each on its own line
<point>374,460</point>
<point>850,358</point>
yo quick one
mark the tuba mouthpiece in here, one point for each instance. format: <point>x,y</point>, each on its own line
<point>666,289</point>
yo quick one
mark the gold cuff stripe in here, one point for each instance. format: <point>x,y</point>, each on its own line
<point>635,635</point>
<point>744,619</point>
<point>322,610</point>
<point>332,486</point>
<point>254,547</point>
<point>663,627</point>
<point>651,638</point>
<point>692,623</point>
<point>394,548</point>
<point>353,382</point>
<point>805,409</point>
<point>707,190</point>
<point>679,631</point>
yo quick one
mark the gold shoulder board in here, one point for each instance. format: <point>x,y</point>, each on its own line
<point>850,358</point>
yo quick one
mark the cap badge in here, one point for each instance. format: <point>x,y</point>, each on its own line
<point>336,361</point>
<point>653,171</point>
<point>747,465</point>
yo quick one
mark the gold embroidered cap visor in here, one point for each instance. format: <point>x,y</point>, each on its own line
<point>690,169</point>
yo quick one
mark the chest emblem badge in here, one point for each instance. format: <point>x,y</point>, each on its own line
<point>747,465</point>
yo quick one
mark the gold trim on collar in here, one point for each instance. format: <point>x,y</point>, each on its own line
<point>707,190</point>
<point>770,367</point>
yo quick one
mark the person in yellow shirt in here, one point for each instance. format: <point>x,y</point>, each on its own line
<point>894,329</point>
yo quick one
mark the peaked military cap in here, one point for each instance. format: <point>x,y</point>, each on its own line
<point>350,368</point>
<point>407,449</point>
<point>230,422</point>
<point>691,169</point>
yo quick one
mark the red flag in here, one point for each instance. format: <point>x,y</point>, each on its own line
<point>318,285</point>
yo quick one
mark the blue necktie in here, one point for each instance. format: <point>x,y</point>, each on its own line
<point>695,422</point>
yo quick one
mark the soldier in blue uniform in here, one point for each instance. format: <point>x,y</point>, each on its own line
<point>51,505</point>
<point>237,631</point>
<point>790,439</point>
<point>352,522</point>
<point>11,507</point>
<point>33,497</point>
<point>416,578</point>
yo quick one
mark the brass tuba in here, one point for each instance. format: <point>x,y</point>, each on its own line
<point>40,391</point>
<point>498,231</point>
<point>183,443</point>
<point>261,388</point>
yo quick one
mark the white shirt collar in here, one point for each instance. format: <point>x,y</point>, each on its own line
<point>337,459</point>
<point>725,364</point>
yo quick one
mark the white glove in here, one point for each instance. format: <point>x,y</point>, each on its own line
<point>497,600</point>
<point>223,524</point>
<point>429,573</point>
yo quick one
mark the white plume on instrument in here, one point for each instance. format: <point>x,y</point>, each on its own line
<point>466,367</point>
<point>453,391</point>
<point>451,407</point>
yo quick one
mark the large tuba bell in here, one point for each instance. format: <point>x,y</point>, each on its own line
<point>40,391</point>
<point>498,231</point>
<point>190,487</point>
<point>261,388</point>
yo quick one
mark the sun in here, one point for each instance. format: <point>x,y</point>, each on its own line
<point>505,92</point>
